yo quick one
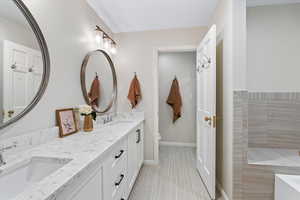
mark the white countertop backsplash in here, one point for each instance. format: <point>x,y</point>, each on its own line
<point>85,150</point>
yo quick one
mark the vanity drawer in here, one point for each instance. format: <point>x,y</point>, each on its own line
<point>115,171</point>
<point>118,184</point>
<point>122,196</point>
<point>117,158</point>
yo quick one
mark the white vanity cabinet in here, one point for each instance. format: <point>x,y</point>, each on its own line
<point>135,156</point>
<point>91,190</point>
<point>140,146</point>
<point>115,171</point>
<point>115,175</point>
<point>88,186</point>
<point>122,167</point>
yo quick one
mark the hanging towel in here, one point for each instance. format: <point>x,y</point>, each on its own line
<point>94,93</point>
<point>174,100</point>
<point>134,94</point>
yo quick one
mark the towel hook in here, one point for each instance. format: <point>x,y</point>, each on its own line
<point>206,61</point>
<point>96,74</point>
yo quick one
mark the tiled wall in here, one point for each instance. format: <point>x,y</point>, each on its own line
<point>274,120</point>
<point>240,141</point>
<point>259,180</point>
<point>265,120</point>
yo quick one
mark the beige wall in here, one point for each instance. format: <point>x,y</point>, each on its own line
<point>223,19</point>
<point>183,66</point>
<point>274,66</point>
<point>230,18</point>
<point>68,29</point>
<point>136,54</point>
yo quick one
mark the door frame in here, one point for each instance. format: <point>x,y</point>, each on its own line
<point>156,52</point>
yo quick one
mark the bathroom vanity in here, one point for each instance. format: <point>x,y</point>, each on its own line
<point>101,165</point>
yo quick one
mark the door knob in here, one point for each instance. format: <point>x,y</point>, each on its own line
<point>210,120</point>
<point>10,113</point>
<point>207,119</point>
<point>14,66</point>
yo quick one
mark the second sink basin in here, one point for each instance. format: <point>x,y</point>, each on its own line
<point>16,178</point>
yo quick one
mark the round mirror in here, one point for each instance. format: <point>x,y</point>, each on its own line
<point>24,62</point>
<point>99,81</point>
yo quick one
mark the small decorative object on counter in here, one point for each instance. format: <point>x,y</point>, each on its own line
<point>66,122</point>
<point>89,115</point>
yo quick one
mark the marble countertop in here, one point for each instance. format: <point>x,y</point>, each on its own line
<point>84,150</point>
<point>274,157</point>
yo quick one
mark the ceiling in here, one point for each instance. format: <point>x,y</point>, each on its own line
<point>253,3</point>
<point>141,15</point>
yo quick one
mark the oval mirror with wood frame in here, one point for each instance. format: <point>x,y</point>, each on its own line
<point>24,62</point>
<point>99,81</point>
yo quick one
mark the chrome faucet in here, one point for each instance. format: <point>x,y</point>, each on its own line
<point>2,162</point>
<point>108,118</point>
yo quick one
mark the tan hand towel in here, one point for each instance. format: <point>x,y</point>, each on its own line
<point>134,94</point>
<point>94,93</point>
<point>174,100</point>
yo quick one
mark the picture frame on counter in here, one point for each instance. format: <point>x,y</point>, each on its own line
<point>66,122</point>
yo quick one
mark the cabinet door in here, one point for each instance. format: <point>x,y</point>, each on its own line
<point>140,147</point>
<point>115,171</point>
<point>132,159</point>
<point>91,190</point>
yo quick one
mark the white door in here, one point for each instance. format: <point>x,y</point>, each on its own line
<point>22,74</point>
<point>206,110</point>
<point>35,77</point>
<point>15,78</point>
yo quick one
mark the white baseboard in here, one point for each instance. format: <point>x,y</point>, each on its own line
<point>177,144</point>
<point>150,162</point>
<point>223,193</point>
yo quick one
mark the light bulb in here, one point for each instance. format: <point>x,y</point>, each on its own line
<point>113,49</point>
<point>99,39</point>
<point>106,44</point>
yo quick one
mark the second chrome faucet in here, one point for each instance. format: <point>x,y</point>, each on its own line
<point>2,150</point>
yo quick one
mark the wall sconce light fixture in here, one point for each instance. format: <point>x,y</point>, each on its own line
<point>104,40</point>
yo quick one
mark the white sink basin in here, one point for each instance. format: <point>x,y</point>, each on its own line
<point>287,187</point>
<point>17,178</point>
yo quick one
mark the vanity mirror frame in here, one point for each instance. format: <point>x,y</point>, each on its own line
<point>83,80</point>
<point>46,62</point>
